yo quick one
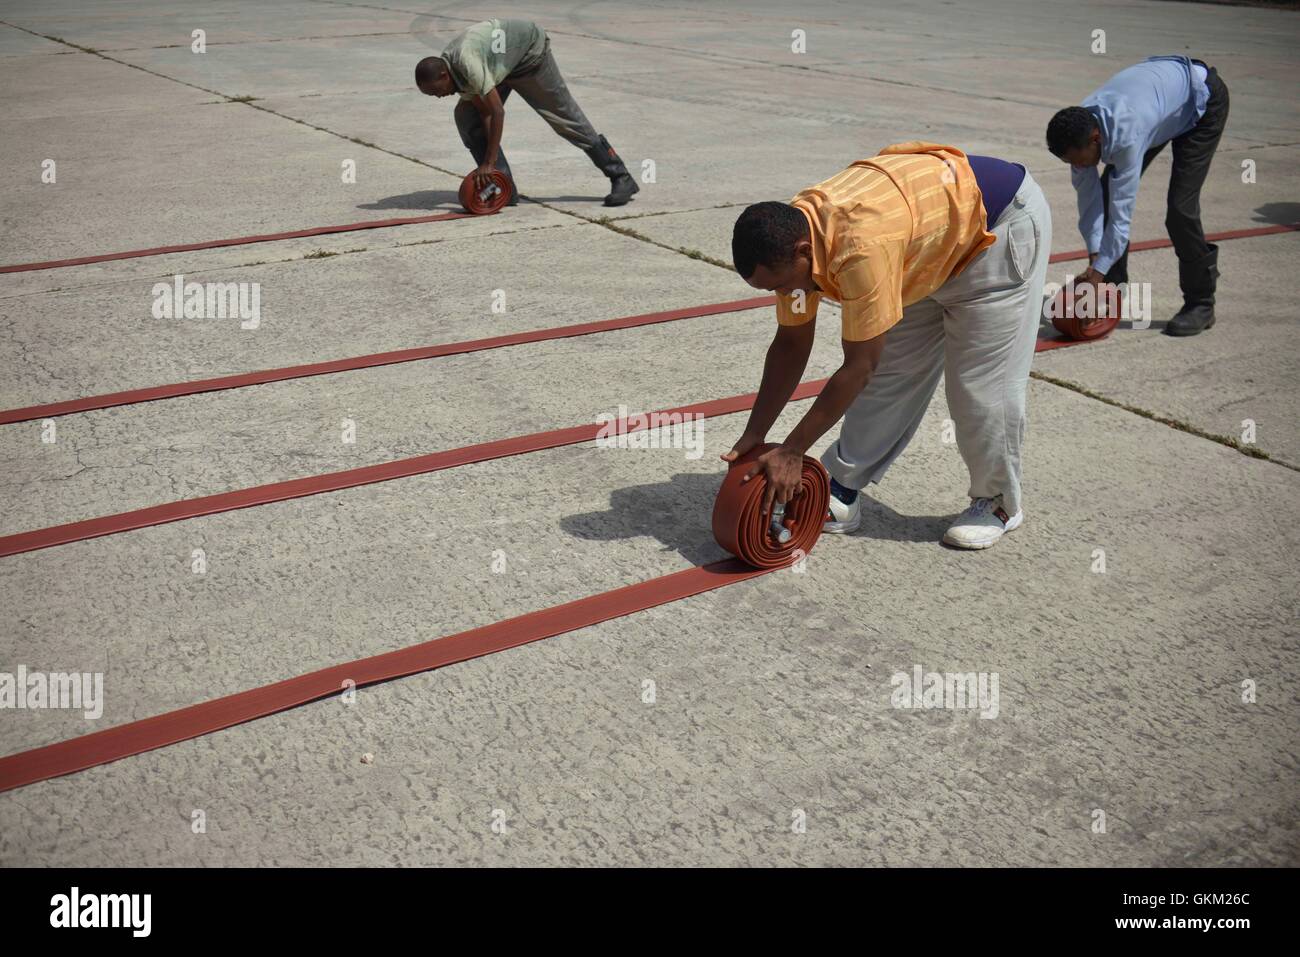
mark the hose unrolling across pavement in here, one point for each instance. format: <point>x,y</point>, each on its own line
<point>739,523</point>
<point>364,475</point>
<point>244,379</point>
<point>481,208</point>
<point>236,241</point>
<point>52,535</point>
<point>148,734</point>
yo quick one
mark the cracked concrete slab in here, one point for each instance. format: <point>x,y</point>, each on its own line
<point>234,184</point>
<point>1239,380</point>
<point>20,43</point>
<point>313,309</point>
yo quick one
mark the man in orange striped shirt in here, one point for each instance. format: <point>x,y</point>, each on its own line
<point>937,260</point>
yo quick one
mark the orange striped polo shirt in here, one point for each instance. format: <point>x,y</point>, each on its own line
<point>887,232</point>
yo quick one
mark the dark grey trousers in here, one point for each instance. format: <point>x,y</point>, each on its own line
<point>1193,152</point>
<point>543,88</point>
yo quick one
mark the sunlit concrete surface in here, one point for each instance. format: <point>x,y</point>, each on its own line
<point>1142,624</point>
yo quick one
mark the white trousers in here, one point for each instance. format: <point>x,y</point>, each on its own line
<point>978,330</point>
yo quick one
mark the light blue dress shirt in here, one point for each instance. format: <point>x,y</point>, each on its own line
<point>1142,106</point>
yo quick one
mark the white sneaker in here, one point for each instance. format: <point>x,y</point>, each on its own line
<point>842,519</point>
<point>982,524</point>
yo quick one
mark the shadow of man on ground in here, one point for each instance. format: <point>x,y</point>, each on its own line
<point>678,513</point>
<point>1278,214</point>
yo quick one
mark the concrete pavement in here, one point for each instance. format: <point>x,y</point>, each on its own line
<point>1154,579</point>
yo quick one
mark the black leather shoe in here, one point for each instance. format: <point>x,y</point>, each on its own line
<point>1197,279</point>
<point>621,189</point>
<point>1191,320</point>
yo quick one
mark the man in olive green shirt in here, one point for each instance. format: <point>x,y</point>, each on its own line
<point>483,64</point>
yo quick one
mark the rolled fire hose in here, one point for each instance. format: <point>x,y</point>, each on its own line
<point>1074,319</point>
<point>483,201</point>
<point>742,528</point>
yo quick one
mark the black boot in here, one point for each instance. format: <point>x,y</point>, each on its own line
<point>622,185</point>
<point>1197,280</point>
<point>479,152</point>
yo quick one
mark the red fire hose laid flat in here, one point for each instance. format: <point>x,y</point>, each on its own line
<point>481,207</point>
<point>237,241</point>
<point>738,523</point>
<point>365,475</point>
<point>244,379</point>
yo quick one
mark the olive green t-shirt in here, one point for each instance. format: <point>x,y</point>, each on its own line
<point>488,52</point>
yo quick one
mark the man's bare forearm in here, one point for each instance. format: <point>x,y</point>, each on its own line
<point>781,374</point>
<point>496,122</point>
<point>493,114</point>
<point>835,399</point>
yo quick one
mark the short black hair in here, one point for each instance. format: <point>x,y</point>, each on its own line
<point>1069,130</point>
<point>429,70</point>
<point>765,235</point>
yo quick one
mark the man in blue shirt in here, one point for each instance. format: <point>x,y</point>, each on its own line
<point>1124,125</point>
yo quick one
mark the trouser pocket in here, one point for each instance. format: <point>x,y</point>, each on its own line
<point>1022,246</point>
